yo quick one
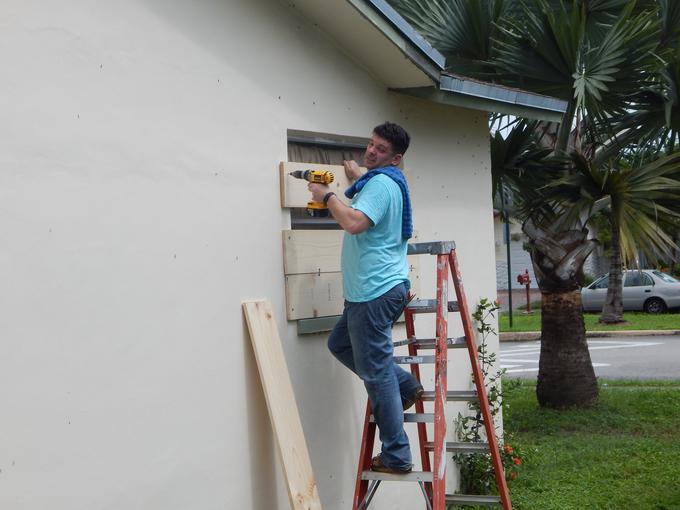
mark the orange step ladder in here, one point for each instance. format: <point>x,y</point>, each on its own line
<point>433,481</point>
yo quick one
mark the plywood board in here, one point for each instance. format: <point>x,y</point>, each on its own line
<point>312,295</point>
<point>294,192</point>
<point>283,411</point>
<point>311,251</point>
<point>318,251</point>
<point>414,274</point>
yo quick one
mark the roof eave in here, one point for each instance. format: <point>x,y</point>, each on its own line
<point>477,95</point>
<point>391,24</point>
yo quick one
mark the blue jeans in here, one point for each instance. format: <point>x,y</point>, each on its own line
<point>362,341</point>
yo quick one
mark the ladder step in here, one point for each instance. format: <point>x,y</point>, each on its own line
<point>461,447</point>
<point>429,306</point>
<point>414,360</point>
<point>433,248</point>
<point>429,343</point>
<point>413,476</point>
<point>452,396</point>
<point>414,418</point>
<point>469,499</point>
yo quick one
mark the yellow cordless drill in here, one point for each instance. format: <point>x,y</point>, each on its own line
<point>317,209</point>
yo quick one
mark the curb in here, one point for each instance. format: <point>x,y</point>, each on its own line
<point>536,335</point>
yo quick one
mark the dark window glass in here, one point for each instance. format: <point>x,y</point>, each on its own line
<point>637,279</point>
<point>602,283</point>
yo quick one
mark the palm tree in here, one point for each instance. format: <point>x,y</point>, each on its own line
<point>642,198</point>
<point>610,60</point>
<point>647,128</point>
<point>566,376</point>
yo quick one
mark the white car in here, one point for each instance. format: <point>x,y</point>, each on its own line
<point>645,289</point>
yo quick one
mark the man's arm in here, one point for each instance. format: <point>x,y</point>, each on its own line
<point>351,220</point>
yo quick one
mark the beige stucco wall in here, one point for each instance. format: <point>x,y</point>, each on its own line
<point>139,204</point>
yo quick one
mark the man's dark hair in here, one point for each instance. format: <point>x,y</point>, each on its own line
<point>395,134</point>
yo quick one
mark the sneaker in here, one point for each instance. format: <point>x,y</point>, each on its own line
<point>378,466</point>
<point>407,404</point>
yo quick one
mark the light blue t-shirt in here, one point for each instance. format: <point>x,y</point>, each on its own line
<point>374,261</point>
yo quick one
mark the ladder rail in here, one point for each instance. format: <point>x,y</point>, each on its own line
<point>420,408</point>
<point>441,355</point>
<point>365,452</point>
<point>479,383</point>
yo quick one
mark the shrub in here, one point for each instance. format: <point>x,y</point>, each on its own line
<point>476,469</point>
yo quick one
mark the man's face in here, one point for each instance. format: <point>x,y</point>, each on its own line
<point>379,153</point>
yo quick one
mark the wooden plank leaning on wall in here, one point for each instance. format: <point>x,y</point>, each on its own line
<point>283,411</point>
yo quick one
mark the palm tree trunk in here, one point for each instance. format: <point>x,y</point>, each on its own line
<point>565,128</point>
<point>565,374</point>
<point>612,312</point>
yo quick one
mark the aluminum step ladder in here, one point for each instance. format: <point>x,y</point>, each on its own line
<point>432,482</point>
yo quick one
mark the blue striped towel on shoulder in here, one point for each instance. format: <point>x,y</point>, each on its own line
<point>395,174</point>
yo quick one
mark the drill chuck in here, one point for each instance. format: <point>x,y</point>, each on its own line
<point>318,176</point>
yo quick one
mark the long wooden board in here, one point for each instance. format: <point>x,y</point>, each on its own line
<point>283,411</point>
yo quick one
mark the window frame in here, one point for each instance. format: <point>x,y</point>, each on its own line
<point>323,141</point>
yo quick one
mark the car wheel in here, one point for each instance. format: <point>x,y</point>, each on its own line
<point>655,305</point>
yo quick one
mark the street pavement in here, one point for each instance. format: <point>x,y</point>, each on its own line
<point>638,357</point>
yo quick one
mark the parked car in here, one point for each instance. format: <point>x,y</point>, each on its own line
<point>644,289</point>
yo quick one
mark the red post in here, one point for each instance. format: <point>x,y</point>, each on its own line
<point>528,300</point>
<point>525,279</point>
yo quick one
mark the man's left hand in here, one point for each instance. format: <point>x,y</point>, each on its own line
<point>318,191</point>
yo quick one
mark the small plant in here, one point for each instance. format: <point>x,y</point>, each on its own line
<point>476,469</point>
<point>512,459</point>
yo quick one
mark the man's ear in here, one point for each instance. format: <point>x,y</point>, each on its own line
<point>396,160</point>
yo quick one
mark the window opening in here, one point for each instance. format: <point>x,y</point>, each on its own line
<point>637,279</point>
<point>325,149</point>
<point>602,283</point>
<point>665,277</point>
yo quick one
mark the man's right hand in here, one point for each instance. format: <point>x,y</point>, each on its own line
<point>352,170</point>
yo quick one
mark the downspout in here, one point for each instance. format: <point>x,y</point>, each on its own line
<point>507,244</point>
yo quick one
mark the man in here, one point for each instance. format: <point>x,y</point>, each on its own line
<point>375,279</point>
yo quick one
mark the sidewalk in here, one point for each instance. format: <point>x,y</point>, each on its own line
<point>536,335</point>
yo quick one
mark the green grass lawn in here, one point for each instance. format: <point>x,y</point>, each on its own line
<point>623,454</point>
<point>634,320</point>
